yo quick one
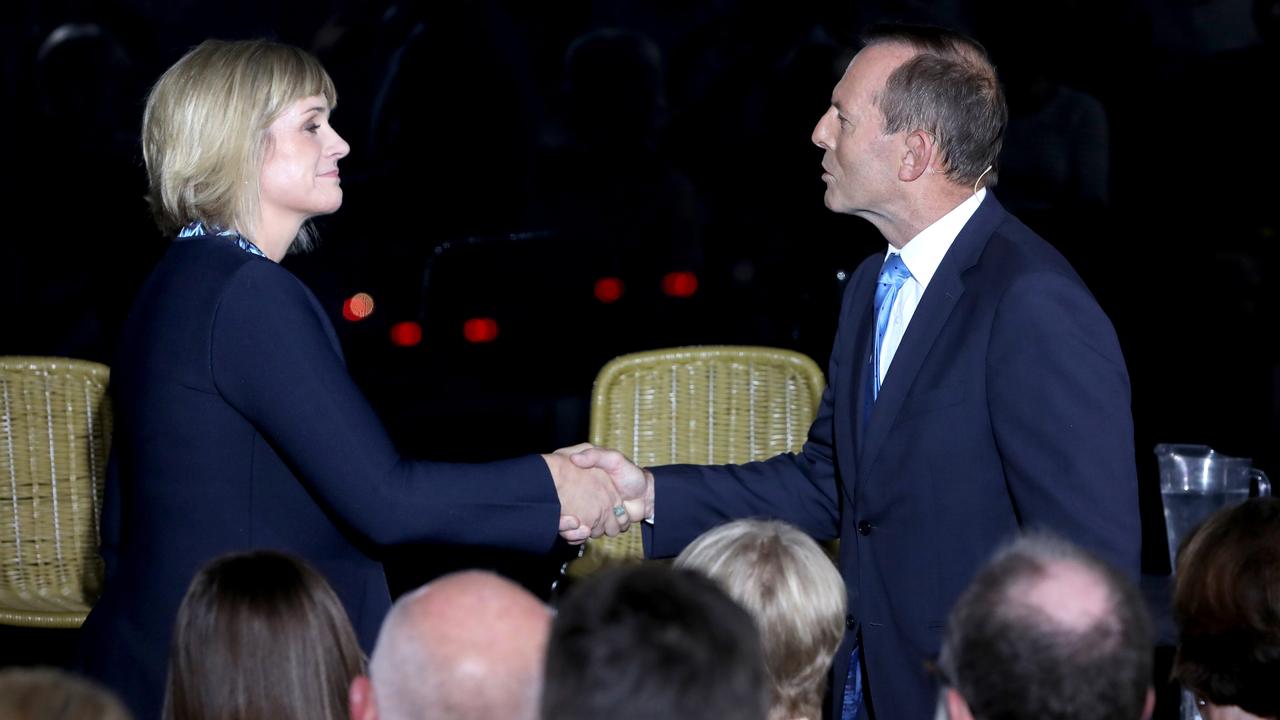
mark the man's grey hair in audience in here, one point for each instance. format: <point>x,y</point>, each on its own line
<point>1047,631</point>
<point>469,645</point>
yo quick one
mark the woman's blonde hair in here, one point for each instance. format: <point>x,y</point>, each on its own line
<point>40,693</point>
<point>794,592</point>
<point>205,129</point>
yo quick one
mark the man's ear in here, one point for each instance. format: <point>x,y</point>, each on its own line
<point>363,706</point>
<point>917,157</point>
<point>957,708</point>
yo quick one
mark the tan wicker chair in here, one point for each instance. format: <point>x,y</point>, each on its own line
<point>701,405</point>
<point>55,428</point>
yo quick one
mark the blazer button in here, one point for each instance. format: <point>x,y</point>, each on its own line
<point>864,528</point>
<point>850,623</point>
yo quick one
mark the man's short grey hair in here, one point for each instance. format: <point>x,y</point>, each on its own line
<point>1014,653</point>
<point>950,90</point>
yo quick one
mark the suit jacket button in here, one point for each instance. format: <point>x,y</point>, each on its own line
<point>864,528</point>
<point>850,623</point>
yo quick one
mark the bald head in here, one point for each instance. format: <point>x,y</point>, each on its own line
<point>1070,596</point>
<point>469,645</point>
<point>1047,631</point>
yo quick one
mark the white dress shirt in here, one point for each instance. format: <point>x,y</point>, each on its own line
<point>922,254</point>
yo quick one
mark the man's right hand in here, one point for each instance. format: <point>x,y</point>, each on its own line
<point>634,484</point>
<point>587,498</point>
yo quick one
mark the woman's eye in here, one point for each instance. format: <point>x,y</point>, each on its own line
<point>312,128</point>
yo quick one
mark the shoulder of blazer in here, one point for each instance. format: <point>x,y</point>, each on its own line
<point>970,243</point>
<point>260,276</point>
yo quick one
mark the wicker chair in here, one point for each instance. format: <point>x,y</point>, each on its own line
<point>55,428</point>
<point>701,405</point>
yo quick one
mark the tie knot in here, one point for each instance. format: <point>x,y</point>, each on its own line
<point>894,272</point>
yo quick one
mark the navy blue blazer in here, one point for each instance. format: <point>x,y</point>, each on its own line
<point>1006,407</point>
<point>238,427</point>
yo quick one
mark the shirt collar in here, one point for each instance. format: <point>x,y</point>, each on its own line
<point>195,228</point>
<point>923,253</point>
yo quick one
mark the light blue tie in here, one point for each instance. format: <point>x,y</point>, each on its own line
<point>892,275</point>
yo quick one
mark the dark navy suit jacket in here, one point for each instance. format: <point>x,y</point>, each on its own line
<point>1006,407</point>
<point>237,427</point>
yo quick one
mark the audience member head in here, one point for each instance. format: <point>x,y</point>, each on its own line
<point>794,592</point>
<point>207,129</point>
<point>653,643</point>
<point>467,646</point>
<point>48,694</point>
<point>1046,631</point>
<point>1226,603</point>
<point>949,89</point>
<point>261,635</point>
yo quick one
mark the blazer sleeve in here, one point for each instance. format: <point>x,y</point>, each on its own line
<point>1058,393</point>
<point>797,487</point>
<point>800,488</point>
<point>272,360</point>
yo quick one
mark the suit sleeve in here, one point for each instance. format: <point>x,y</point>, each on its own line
<point>800,488</point>
<point>1059,402</point>
<point>273,362</point>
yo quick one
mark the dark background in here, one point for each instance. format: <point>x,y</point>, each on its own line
<point>506,155</point>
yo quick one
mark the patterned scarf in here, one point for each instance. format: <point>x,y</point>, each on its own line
<point>196,228</point>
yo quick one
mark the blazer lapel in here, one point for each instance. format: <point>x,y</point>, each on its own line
<point>941,297</point>
<point>855,326</point>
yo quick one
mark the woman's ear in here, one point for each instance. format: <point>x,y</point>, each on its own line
<point>957,708</point>
<point>363,706</point>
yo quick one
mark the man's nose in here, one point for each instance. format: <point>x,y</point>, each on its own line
<point>820,134</point>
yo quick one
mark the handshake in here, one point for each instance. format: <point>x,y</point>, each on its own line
<point>601,492</point>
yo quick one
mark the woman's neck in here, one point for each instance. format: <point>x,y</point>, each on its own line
<point>274,235</point>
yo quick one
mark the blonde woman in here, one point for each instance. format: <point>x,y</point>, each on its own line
<point>794,592</point>
<point>237,426</point>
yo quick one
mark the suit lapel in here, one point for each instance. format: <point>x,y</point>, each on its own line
<point>855,348</point>
<point>940,298</point>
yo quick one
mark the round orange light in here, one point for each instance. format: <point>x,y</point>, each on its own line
<point>357,307</point>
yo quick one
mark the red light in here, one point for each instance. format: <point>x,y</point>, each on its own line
<point>406,334</point>
<point>680,284</point>
<point>480,330</point>
<point>357,307</point>
<point>609,290</point>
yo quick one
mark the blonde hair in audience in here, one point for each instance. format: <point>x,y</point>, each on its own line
<point>794,592</point>
<point>205,130</point>
<point>261,635</point>
<point>44,693</point>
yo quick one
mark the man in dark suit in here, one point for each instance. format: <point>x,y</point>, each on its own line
<point>975,386</point>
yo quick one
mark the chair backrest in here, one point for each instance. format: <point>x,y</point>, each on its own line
<point>55,430</point>
<point>700,405</point>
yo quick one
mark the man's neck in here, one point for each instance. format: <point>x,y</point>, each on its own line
<point>919,212</point>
